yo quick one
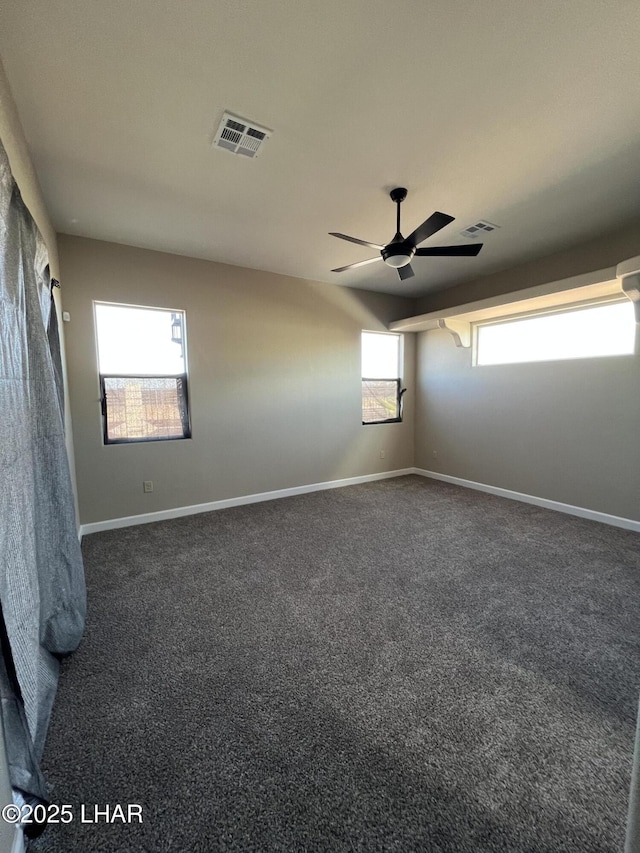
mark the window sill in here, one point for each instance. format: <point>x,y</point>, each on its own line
<point>604,284</point>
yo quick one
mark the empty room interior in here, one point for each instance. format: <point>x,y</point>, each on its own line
<point>320,411</point>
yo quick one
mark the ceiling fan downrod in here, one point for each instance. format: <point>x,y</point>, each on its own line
<point>398,253</point>
<point>398,195</point>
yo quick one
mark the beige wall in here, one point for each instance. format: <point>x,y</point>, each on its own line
<point>566,430</point>
<point>274,370</point>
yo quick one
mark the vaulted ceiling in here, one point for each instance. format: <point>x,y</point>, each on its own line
<point>524,114</point>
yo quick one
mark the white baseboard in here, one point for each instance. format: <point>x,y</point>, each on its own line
<point>178,512</point>
<point>581,512</point>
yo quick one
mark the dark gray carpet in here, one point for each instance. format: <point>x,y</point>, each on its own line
<point>399,666</point>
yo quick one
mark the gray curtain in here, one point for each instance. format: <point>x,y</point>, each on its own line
<point>42,591</point>
<point>633,822</point>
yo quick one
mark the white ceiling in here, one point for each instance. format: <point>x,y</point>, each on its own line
<point>523,113</point>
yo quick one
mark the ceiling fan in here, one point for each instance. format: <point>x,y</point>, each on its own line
<point>399,252</point>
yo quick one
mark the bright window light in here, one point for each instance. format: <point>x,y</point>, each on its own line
<point>380,355</point>
<point>381,392</point>
<point>143,373</point>
<point>137,340</point>
<point>589,332</point>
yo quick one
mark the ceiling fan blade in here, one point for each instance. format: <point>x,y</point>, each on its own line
<point>405,272</point>
<point>434,223</point>
<point>357,264</point>
<point>355,240</point>
<point>469,250</point>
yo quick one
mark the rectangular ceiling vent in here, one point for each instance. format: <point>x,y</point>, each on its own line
<point>480,229</point>
<point>240,136</point>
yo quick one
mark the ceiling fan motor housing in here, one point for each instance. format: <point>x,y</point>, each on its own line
<point>398,253</point>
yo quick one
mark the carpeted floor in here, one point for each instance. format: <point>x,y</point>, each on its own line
<point>399,666</point>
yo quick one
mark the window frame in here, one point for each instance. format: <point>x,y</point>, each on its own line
<point>183,397</point>
<point>182,379</point>
<point>400,391</point>
<point>555,310</point>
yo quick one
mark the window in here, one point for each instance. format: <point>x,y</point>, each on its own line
<point>586,332</point>
<point>143,373</point>
<point>381,392</point>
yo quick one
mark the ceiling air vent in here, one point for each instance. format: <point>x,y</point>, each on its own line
<point>480,229</point>
<point>240,136</point>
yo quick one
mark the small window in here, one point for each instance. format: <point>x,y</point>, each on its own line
<point>143,373</point>
<point>586,332</point>
<point>381,391</point>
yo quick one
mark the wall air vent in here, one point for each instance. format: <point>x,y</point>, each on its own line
<point>240,136</point>
<point>479,229</point>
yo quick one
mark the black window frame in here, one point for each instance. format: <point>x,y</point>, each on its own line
<point>399,392</point>
<point>183,401</point>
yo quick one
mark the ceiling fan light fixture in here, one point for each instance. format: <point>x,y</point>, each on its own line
<point>397,260</point>
<point>397,254</point>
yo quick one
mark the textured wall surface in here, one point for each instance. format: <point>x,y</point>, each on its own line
<point>274,370</point>
<point>563,430</point>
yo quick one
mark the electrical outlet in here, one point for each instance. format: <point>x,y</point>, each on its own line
<point>382,454</point>
<point>147,486</point>
<point>435,454</point>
